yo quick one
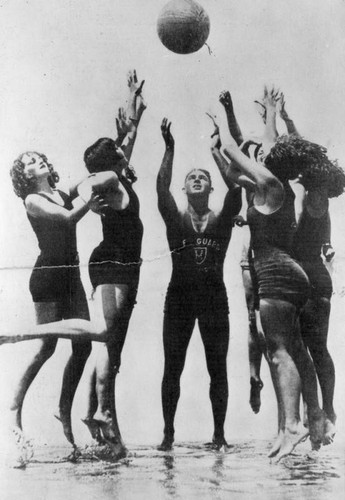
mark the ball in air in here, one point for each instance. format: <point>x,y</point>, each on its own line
<point>183,26</point>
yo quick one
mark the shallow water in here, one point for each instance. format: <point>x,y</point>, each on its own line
<point>189,471</point>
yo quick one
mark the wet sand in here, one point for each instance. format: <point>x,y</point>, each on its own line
<point>189,471</point>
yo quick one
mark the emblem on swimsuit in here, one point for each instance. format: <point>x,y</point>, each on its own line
<point>200,255</point>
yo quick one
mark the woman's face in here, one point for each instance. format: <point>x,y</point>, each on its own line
<point>35,166</point>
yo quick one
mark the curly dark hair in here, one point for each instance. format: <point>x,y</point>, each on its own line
<point>22,185</point>
<point>102,156</point>
<point>325,174</point>
<point>293,157</point>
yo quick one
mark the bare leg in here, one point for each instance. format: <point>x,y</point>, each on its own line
<point>45,312</point>
<point>73,306</point>
<point>278,320</point>
<point>71,378</point>
<point>314,327</point>
<point>117,302</point>
<point>254,346</point>
<point>79,330</point>
<point>89,420</point>
<point>44,350</point>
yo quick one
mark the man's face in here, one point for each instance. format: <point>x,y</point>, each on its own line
<point>197,182</point>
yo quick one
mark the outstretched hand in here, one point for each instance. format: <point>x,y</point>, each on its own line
<point>225,99</point>
<point>271,97</point>
<point>133,85</point>
<point>281,107</point>
<point>167,136</point>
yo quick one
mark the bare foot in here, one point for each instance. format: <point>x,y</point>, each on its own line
<point>66,425</point>
<point>289,442</point>
<point>317,424</point>
<point>94,429</point>
<point>218,444</point>
<point>276,445</point>
<point>74,455</point>
<point>330,431</point>
<point>255,389</point>
<point>111,436</point>
<point>166,444</point>
<point>9,339</point>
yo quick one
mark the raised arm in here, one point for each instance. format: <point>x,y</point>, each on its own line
<point>234,128</point>
<point>269,191</point>
<point>270,103</point>
<point>166,202</point>
<point>231,175</point>
<point>290,125</point>
<point>127,122</point>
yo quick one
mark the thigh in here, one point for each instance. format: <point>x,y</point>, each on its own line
<point>314,321</point>
<point>278,320</point>
<point>47,312</point>
<point>179,321</point>
<point>116,302</point>
<point>214,330</point>
<point>74,303</point>
<point>248,288</point>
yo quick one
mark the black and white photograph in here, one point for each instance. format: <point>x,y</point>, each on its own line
<point>172,260</point>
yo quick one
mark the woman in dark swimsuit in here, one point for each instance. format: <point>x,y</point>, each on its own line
<point>114,269</point>
<point>282,284</point>
<point>322,181</point>
<point>55,283</point>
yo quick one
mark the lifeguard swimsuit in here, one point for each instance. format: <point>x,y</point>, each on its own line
<point>197,291</point>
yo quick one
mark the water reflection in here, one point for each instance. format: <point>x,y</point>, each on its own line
<point>169,476</point>
<point>191,471</point>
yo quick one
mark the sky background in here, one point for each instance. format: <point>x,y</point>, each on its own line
<point>63,75</point>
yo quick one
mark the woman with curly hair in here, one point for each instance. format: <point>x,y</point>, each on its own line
<point>55,283</point>
<point>114,267</point>
<point>283,286</point>
<point>322,180</point>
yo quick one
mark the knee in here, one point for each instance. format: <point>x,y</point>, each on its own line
<point>275,352</point>
<point>217,369</point>
<point>172,373</point>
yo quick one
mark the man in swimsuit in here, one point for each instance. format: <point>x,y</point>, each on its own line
<point>198,240</point>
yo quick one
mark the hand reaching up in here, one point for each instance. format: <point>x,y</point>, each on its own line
<point>167,135</point>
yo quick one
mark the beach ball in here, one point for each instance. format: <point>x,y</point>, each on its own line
<point>183,26</point>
